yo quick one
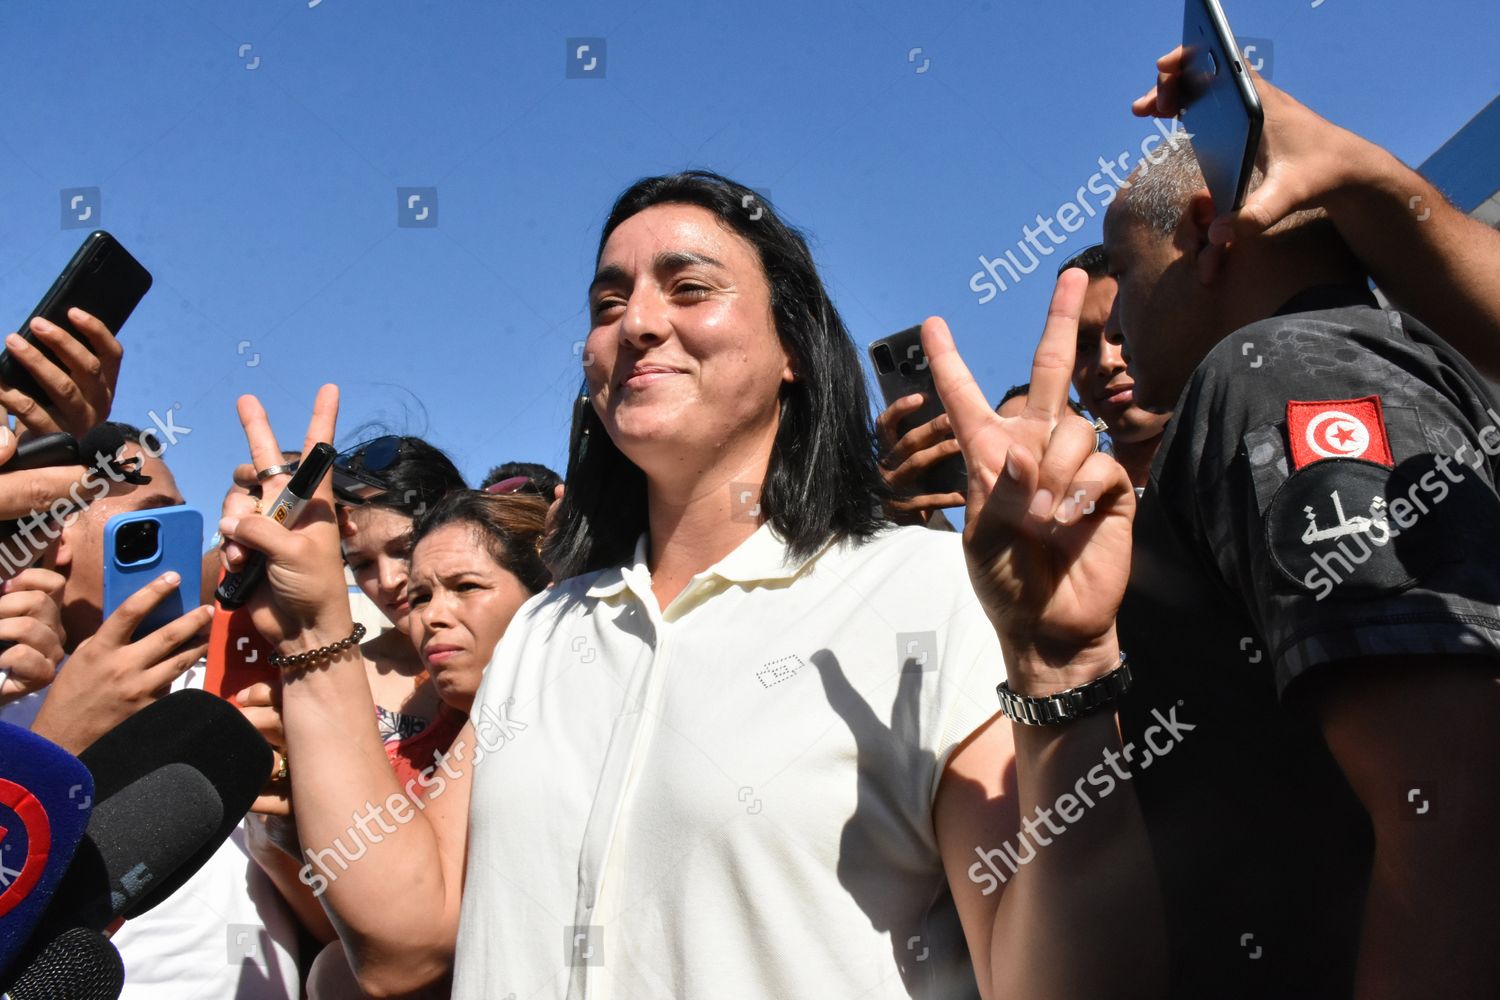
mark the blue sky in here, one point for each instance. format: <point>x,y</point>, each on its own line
<point>264,200</point>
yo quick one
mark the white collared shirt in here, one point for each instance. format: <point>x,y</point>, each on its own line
<point>730,797</point>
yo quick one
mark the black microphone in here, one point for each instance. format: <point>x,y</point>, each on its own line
<point>207,734</point>
<point>98,446</point>
<point>78,964</point>
<point>137,837</point>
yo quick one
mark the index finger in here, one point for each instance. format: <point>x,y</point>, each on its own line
<point>265,452</point>
<point>1052,365</point>
<point>967,407</point>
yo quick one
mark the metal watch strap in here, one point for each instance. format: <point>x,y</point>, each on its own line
<point>1065,706</point>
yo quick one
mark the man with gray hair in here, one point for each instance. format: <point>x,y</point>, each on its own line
<point>1314,589</point>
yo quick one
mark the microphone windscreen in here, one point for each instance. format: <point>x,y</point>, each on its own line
<point>102,440</point>
<point>193,728</point>
<point>138,836</point>
<point>46,797</point>
<point>78,964</point>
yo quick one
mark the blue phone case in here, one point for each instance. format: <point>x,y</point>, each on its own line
<point>131,560</point>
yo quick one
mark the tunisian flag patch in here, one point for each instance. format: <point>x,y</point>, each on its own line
<point>1337,428</point>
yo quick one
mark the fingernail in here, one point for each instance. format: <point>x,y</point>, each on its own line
<point>1041,504</point>
<point>228,524</point>
<point>14,340</point>
<point>171,578</point>
<point>4,436</point>
<point>1012,469</point>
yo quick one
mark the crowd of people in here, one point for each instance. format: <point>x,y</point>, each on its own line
<point>1160,720</point>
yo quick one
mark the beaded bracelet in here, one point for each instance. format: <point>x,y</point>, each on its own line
<point>315,656</point>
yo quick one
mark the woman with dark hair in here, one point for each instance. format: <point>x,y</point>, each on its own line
<point>475,559</point>
<point>751,749</point>
<point>383,485</point>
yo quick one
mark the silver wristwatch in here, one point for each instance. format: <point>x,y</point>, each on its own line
<point>1065,706</point>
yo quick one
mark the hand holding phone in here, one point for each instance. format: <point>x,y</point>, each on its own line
<point>901,369</point>
<point>141,545</point>
<point>111,675</point>
<point>1305,158</point>
<point>58,372</point>
<point>1220,106</point>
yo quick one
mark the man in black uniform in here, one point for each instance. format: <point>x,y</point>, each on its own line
<point>1315,586</point>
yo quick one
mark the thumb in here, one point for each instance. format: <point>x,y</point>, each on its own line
<point>1263,208</point>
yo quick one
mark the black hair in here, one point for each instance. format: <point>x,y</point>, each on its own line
<point>543,480</point>
<point>1091,259</point>
<point>822,483</point>
<point>419,476</point>
<point>510,527</point>
<point>147,440</point>
<point>1025,387</point>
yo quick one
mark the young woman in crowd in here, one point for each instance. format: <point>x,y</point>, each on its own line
<point>751,747</point>
<point>401,477</point>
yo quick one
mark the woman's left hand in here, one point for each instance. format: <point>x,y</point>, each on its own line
<point>1047,531</point>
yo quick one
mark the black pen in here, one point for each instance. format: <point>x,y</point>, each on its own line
<point>235,589</point>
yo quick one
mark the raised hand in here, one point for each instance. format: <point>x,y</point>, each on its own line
<point>1047,531</point>
<point>81,391</point>
<point>304,589</point>
<point>109,677</point>
<point>1304,157</point>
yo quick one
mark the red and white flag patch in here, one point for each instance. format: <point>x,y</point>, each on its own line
<point>1337,428</point>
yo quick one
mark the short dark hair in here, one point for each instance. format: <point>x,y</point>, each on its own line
<point>1025,387</point>
<point>510,526</point>
<point>822,482</point>
<point>147,440</point>
<point>1091,259</point>
<point>419,476</point>
<point>543,480</point>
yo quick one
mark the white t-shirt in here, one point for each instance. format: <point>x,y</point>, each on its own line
<point>732,797</point>
<point>226,932</point>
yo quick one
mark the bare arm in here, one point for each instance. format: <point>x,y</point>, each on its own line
<point>1432,916</point>
<point>393,891</point>
<point>1047,540</point>
<point>273,844</point>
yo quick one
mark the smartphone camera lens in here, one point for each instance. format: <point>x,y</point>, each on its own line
<point>885,361</point>
<point>138,542</point>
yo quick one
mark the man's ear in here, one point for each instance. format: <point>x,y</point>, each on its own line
<point>1211,257</point>
<point>62,552</point>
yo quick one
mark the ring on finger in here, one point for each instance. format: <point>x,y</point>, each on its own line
<point>276,470</point>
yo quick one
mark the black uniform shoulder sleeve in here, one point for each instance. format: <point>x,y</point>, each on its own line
<point>1337,469</point>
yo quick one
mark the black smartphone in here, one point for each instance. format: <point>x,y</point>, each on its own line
<point>901,369</point>
<point>102,279</point>
<point>1220,107</point>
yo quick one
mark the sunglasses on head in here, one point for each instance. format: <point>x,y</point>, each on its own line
<point>515,484</point>
<point>356,471</point>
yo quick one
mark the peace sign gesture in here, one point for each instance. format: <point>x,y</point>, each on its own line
<point>1047,529</point>
<point>303,596</point>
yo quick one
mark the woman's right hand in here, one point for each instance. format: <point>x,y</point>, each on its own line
<point>303,602</point>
